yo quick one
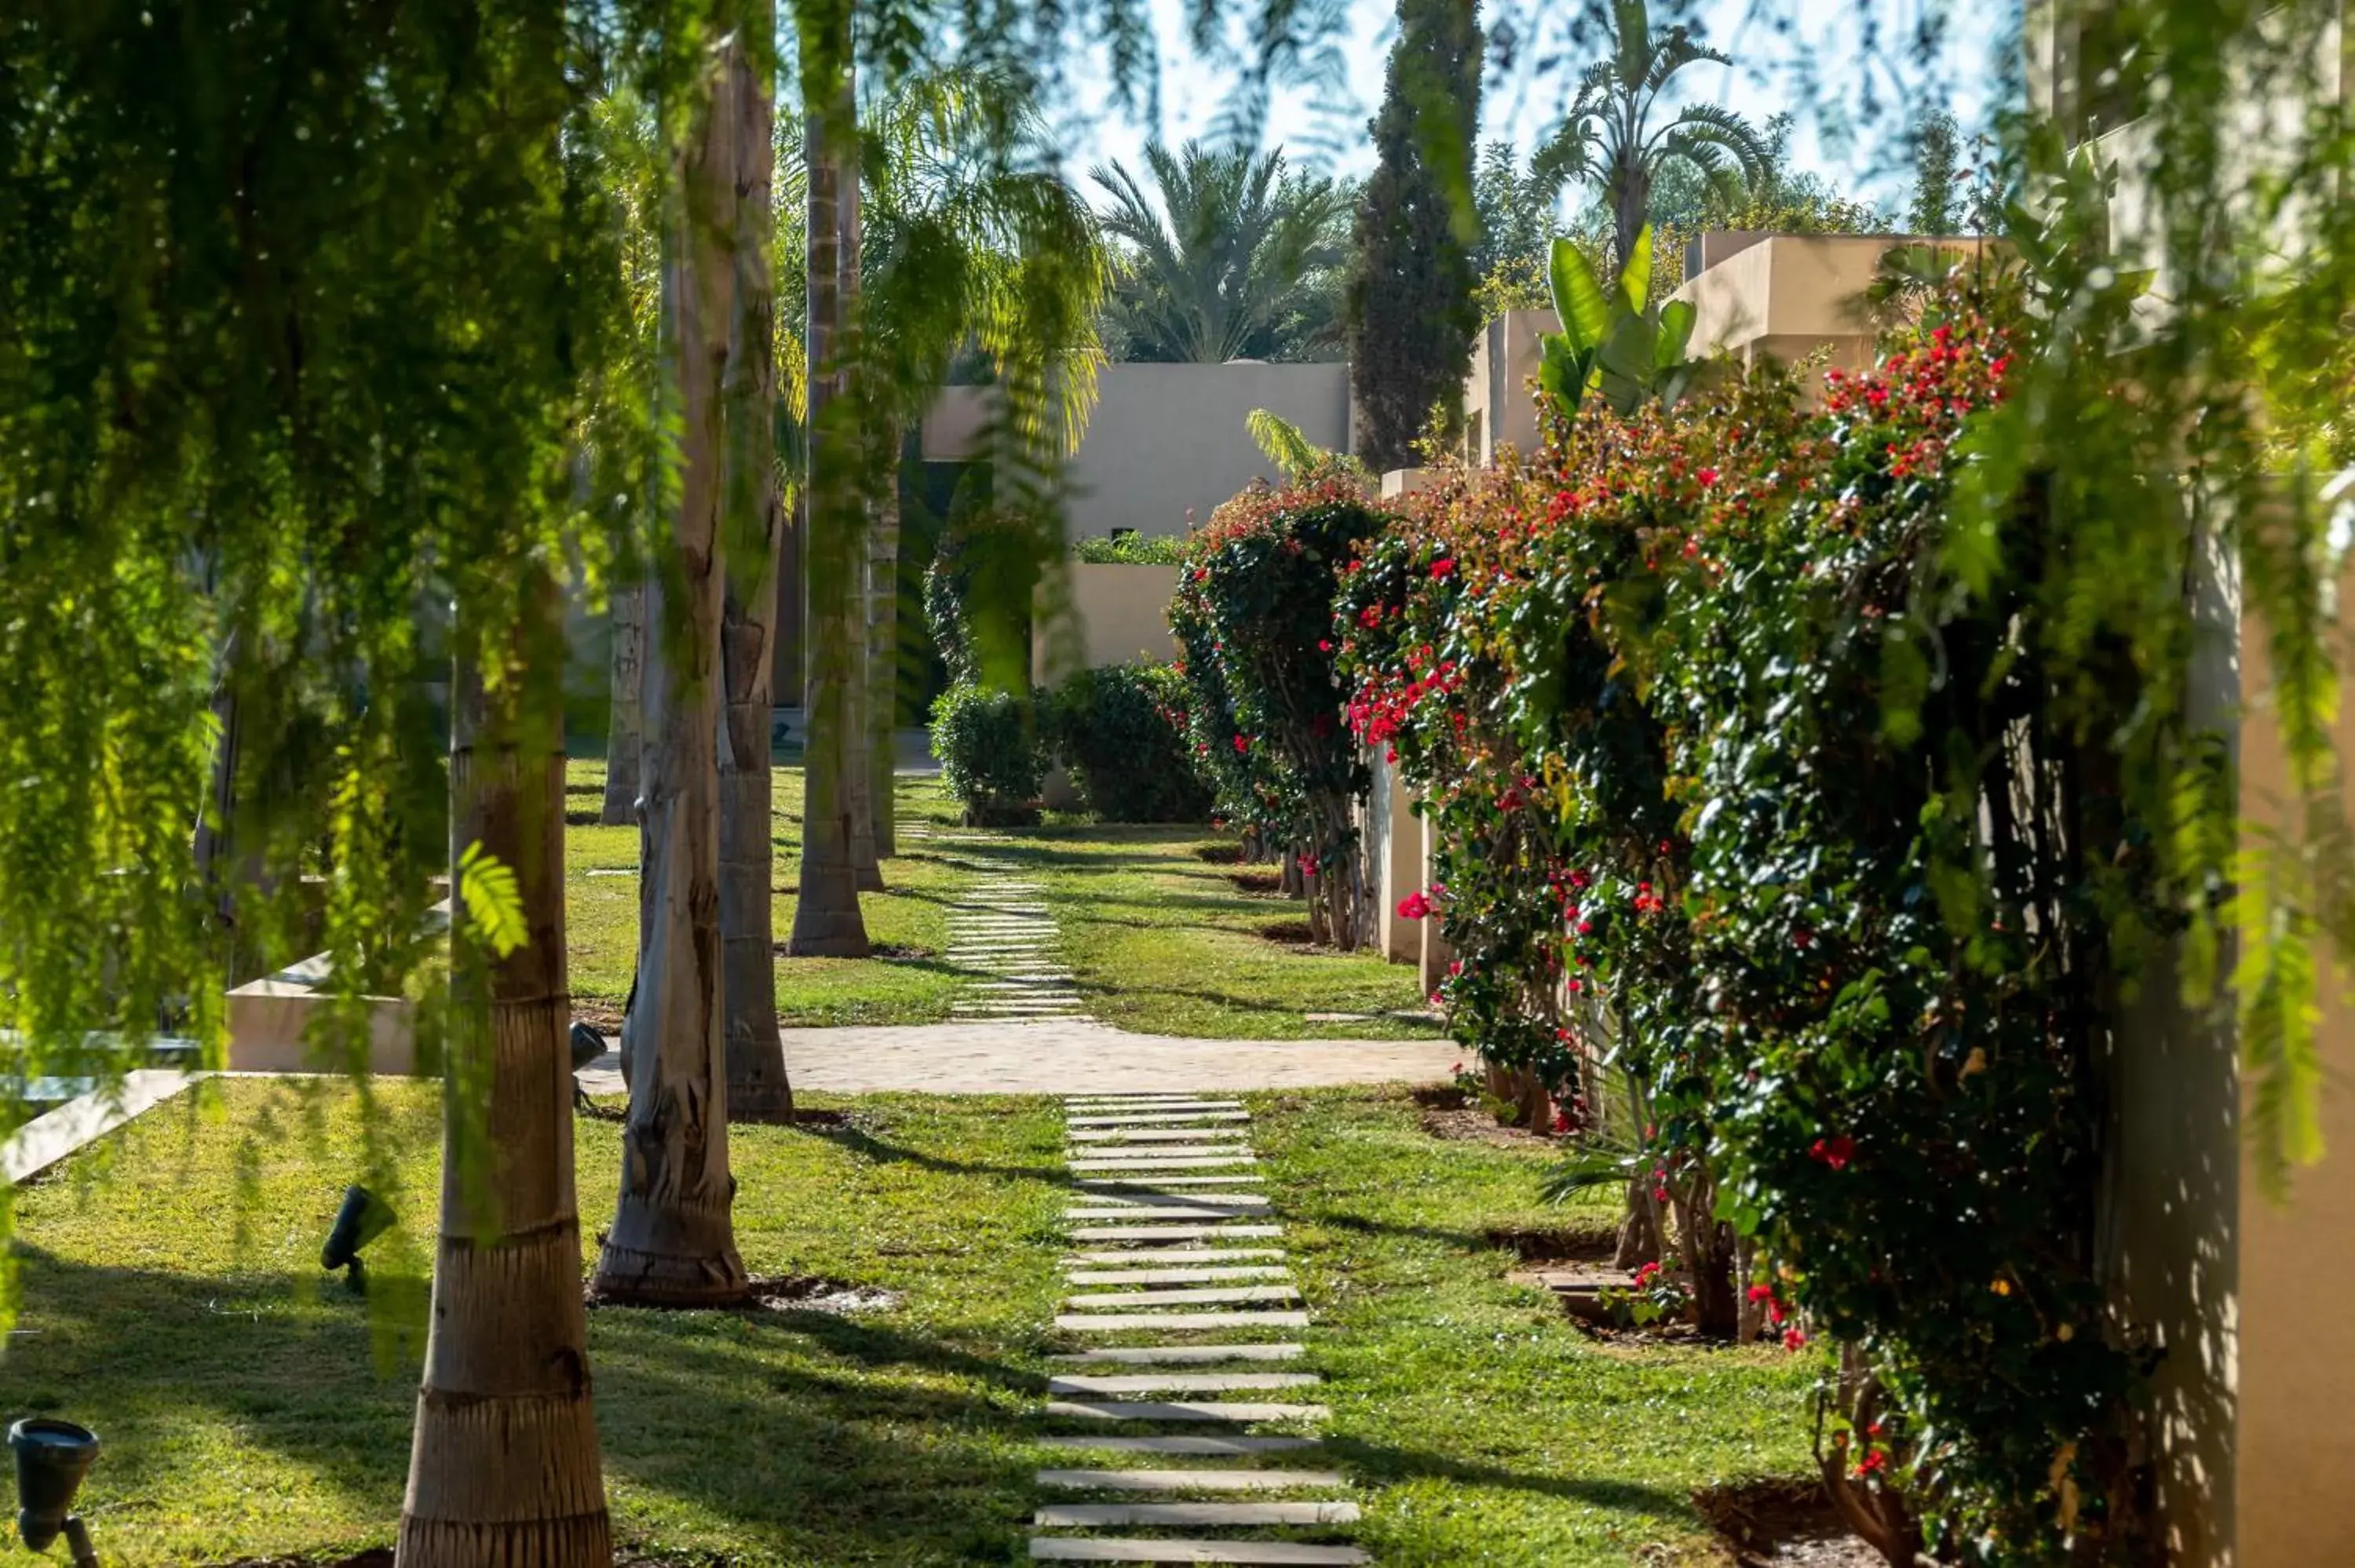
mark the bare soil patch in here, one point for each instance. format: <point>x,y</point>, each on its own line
<point>1219,855</point>
<point>783,1293</point>
<point>1786,1522</point>
<point>1448,1112</point>
<point>1257,881</point>
<point>1563,1244</point>
<point>1291,933</point>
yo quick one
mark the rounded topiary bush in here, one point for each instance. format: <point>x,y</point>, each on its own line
<point>987,742</point>
<point>1121,732</point>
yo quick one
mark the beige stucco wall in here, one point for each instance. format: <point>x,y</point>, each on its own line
<point>1784,296</point>
<point>2293,1485</point>
<point>1111,614</point>
<point>1165,443</point>
<point>1498,406</point>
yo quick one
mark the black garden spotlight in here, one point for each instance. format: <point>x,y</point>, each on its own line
<point>362,1219</point>
<point>587,1046</point>
<point>52,1456</point>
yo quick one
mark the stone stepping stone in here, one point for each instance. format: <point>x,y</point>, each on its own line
<point>1145,1193</point>
<point>1148,1118</point>
<point>1182,1382</point>
<point>1189,1480</point>
<point>1182,1355</point>
<point>1097,1515</point>
<point>1169,1322</point>
<point>1161,1212</point>
<point>1174,1275</point>
<point>1142,1134</point>
<point>1174,1160</point>
<point>1215,1295</point>
<point>1218,1446</point>
<point>1170,1233</point>
<point>1217,1179</point>
<point>1242,1413</point>
<point>1260,1553</point>
<point>1133,1257</point>
<point>1157,1099</point>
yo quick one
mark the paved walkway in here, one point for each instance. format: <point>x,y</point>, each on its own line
<point>1189,1358</point>
<point>1045,1058</point>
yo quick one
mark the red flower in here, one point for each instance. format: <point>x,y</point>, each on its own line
<point>1562,1121</point>
<point>1455,1070</point>
<point>1762,1293</point>
<point>1834,1153</point>
<point>1442,566</point>
<point>1707,476</point>
<point>1413,907</point>
<point>1324,645</point>
<point>1243,744</point>
<point>1794,1339</point>
<point>1803,939</point>
<point>1873,1463</point>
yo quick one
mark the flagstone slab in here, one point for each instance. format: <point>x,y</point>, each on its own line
<point>1151,1118</point>
<point>1139,1257</point>
<point>1170,1233</point>
<point>1161,1212</point>
<point>1116,1184</point>
<point>1083,1516</point>
<point>1174,1275</point>
<point>1172,1161</point>
<point>1182,1355</point>
<point>1215,1295</point>
<point>1220,1445</point>
<point>1189,1480</point>
<point>1256,1553</point>
<point>1170,1322</point>
<point>1181,1383</point>
<point>1241,1413</point>
<point>1143,1134</point>
<point>1150,1192</point>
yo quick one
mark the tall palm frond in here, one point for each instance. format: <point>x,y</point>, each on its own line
<point>1235,257</point>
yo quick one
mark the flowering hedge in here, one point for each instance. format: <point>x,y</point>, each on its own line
<point>1773,791</point>
<point>1251,613</point>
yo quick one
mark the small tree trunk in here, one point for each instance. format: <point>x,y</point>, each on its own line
<point>1641,1237</point>
<point>826,919</point>
<point>673,1240</point>
<point>883,647</point>
<point>1707,1243</point>
<point>622,735</point>
<point>758,1088</point>
<point>503,1458</point>
<point>1750,1320</point>
<point>858,701</point>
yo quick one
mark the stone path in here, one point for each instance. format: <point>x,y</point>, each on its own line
<point>1044,1058</point>
<point>1001,930</point>
<point>1175,1275</point>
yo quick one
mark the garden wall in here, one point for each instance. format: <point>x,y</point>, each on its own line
<point>1115,613</point>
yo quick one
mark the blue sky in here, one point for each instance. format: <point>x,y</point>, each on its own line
<point>1827,60</point>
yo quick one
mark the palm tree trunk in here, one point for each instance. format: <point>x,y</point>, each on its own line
<point>1631,204</point>
<point>503,1461</point>
<point>622,737</point>
<point>826,919</point>
<point>883,645</point>
<point>672,1240</point>
<point>758,1088</point>
<point>857,774</point>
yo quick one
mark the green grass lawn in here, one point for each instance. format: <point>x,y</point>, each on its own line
<point>1159,940</point>
<point>909,981</point>
<point>174,1305</point>
<point>1164,942</point>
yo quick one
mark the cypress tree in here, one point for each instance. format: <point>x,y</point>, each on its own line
<point>1409,305</point>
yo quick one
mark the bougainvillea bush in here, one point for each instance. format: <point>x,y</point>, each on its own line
<point>1252,614</point>
<point>1772,785</point>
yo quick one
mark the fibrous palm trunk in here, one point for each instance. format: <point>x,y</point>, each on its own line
<point>503,1459</point>
<point>673,1240</point>
<point>758,1087</point>
<point>858,776</point>
<point>883,645</point>
<point>826,918</point>
<point>623,737</point>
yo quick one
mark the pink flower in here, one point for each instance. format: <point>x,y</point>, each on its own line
<point>1243,744</point>
<point>1762,1293</point>
<point>1442,566</point>
<point>1456,1071</point>
<point>1794,1339</point>
<point>1324,645</point>
<point>1834,1153</point>
<point>1413,907</point>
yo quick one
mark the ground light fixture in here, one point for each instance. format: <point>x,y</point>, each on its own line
<point>362,1219</point>
<point>52,1456</point>
<point>587,1046</point>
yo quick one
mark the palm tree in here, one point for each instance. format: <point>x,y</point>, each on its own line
<point>969,240</point>
<point>1239,258</point>
<point>1612,135</point>
<point>673,1238</point>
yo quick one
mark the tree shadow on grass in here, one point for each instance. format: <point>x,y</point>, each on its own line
<point>819,1439</point>
<point>1372,1464</point>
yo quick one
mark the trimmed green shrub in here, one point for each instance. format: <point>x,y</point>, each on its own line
<point>987,742</point>
<point>1121,732</point>
<point>1131,550</point>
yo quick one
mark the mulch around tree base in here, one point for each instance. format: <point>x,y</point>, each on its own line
<point>1784,1523</point>
<point>777,1293</point>
<point>382,1557</point>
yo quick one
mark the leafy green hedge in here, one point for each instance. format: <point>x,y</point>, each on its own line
<point>1253,613</point>
<point>1759,781</point>
<point>1130,550</point>
<point>987,742</point>
<point>1121,733</point>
